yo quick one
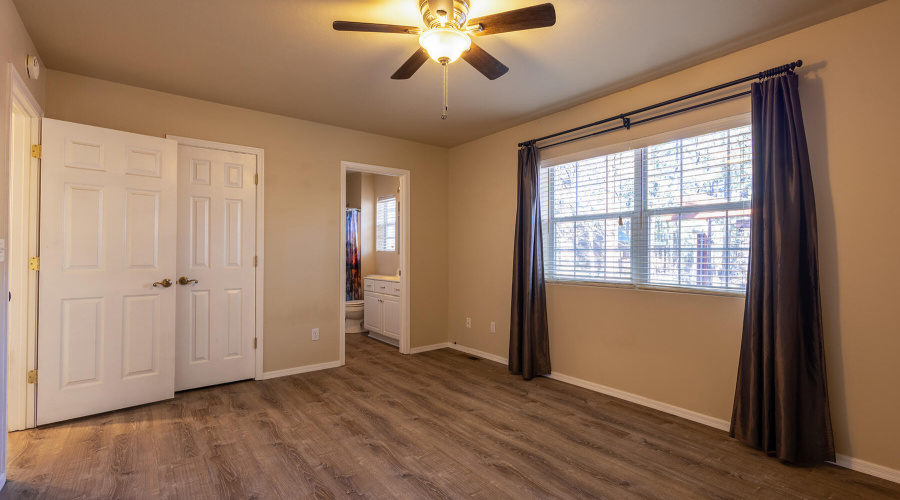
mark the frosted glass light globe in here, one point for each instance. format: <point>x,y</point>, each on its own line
<point>445,43</point>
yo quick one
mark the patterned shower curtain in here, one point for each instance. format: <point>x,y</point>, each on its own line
<point>354,274</point>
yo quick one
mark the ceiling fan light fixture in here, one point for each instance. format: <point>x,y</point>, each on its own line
<point>445,44</point>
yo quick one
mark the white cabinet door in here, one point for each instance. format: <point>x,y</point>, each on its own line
<point>216,244</point>
<point>373,312</point>
<point>106,334</point>
<point>391,316</point>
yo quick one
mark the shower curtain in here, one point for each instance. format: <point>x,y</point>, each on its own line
<point>354,274</point>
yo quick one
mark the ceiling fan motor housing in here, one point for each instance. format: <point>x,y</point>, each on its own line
<point>455,12</point>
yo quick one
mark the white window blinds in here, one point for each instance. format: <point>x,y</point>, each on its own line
<point>386,224</point>
<point>675,214</point>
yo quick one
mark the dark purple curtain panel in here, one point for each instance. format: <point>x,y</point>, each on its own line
<point>354,275</point>
<point>781,399</point>
<point>529,342</point>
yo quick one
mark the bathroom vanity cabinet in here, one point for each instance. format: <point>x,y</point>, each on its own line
<point>382,307</point>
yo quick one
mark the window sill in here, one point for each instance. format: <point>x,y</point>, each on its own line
<point>648,288</point>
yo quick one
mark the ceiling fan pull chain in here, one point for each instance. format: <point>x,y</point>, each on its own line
<point>446,94</point>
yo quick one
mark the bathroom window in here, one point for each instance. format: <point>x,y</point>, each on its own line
<point>386,224</point>
<point>674,214</point>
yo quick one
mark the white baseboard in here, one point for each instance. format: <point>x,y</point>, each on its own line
<point>868,468</point>
<point>724,425</point>
<point>641,400</point>
<point>480,354</point>
<point>300,369</point>
<point>426,348</point>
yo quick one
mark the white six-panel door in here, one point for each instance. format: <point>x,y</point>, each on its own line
<point>216,315</point>
<point>107,233</point>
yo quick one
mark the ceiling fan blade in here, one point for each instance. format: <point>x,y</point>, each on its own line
<point>487,64</point>
<point>538,16</point>
<point>375,28</point>
<point>411,65</point>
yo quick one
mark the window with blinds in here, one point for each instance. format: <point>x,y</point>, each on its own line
<point>386,224</point>
<point>675,214</point>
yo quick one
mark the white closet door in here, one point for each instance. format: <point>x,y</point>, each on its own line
<point>106,334</point>
<point>216,247</point>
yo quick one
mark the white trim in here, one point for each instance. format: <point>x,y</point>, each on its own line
<point>426,348</point>
<point>480,354</point>
<point>2,479</point>
<point>405,211</point>
<point>869,468</point>
<point>641,400</point>
<point>735,121</point>
<point>647,288</point>
<point>20,402</point>
<point>845,461</point>
<point>301,369</point>
<point>260,229</point>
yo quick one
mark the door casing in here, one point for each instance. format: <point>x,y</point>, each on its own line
<point>405,210</point>
<point>24,191</point>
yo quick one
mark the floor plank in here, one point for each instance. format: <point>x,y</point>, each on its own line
<point>432,425</point>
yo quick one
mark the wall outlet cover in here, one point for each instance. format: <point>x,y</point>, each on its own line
<point>315,334</point>
<point>468,322</point>
<point>493,327</point>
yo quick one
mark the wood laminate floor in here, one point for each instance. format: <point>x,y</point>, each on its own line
<point>431,425</point>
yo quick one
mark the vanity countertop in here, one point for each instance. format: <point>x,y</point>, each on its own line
<point>383,277</point>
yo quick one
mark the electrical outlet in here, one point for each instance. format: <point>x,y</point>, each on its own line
<point>493,327</point>
<point>468,322</point>
<point>315,335</point>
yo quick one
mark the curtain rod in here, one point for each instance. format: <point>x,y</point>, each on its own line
<point>626,117</point>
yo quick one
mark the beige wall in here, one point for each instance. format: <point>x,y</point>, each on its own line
<point>388,263</point>
<point>361,195</point>
<point>354,189</point>
<point>367,224</point>
<point>649,343</point>
<point>302,281</point>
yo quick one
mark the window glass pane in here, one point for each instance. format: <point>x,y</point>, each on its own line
<point>693,229</point>
<point>386,224</point>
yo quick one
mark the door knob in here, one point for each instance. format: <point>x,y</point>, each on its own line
<point>166,283</point>
<point>184,281</point>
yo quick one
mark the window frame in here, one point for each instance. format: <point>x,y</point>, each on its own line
<point>380,229</point>
<point>640,216</point>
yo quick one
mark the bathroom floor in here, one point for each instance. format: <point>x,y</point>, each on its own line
<point>433,425</point>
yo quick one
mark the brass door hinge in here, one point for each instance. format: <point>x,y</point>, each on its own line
<point>256,179</point>
<point>254,342</point>
<point>32,376</point>
<point>36,151</point>
<point>255,261</point>
<point>34,263</point>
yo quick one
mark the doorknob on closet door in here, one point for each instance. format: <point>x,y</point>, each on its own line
<point>185,281</point>
<point>166,283</point>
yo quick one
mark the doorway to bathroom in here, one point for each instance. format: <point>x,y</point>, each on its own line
<point>375,243</point>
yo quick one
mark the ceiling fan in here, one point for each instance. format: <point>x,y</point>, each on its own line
<point>449,32</point>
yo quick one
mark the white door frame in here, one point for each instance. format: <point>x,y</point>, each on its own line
<point>260,228</point>
<point>348,166</point>
<point>23,233</point>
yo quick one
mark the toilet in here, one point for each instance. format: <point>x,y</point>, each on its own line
<point>353,318</point>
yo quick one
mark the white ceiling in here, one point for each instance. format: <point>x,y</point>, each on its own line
<point>282,57</point>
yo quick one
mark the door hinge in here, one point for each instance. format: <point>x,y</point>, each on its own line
<point>255,261</point>
<point>256,178</point>
<point>254,342</point>
<point>34,263</point>
<point>32,376</point>
<point>36,150</point>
